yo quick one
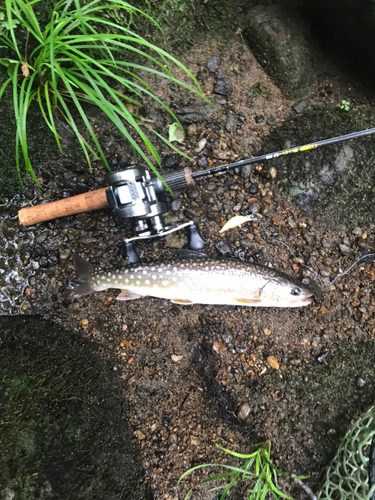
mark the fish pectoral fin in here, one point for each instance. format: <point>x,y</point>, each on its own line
<point>127,295</point>
<point>247,302</point>
<point>184,302</point>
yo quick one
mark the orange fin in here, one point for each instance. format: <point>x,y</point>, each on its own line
<point>182,301</point>
<point>127,295</point>
<point>247,302</point>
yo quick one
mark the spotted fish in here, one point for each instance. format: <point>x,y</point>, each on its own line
<point>197,281</point>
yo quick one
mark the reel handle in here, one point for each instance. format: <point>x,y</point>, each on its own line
<point>93,200</point>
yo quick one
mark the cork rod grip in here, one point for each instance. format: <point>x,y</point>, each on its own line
<point>93,200</point>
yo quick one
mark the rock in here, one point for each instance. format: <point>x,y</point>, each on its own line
<point>207,198</point>
<point>246,145</point>
<point>194,441</point>
<point>272,362</point>
<point>193,194</point>
<point>223,86</point>
<point>202,162</point>
<point>231,123</point>
<point>278,222</point>
<point>300,106</point>
<point>175,240</point>
<point>175,358</point>
<point>192,129</point>
<point>221,155</point>
<point>222,247</point>
<point>279,43</point>
<point>254,188</point>
<point>201,145</point>
<point>245,172</point>
<point>292,222</point>
<point>322,311</point>
<point>139,434</point>
<point>196,113</point>
<point>244,411</point>
<point>158,117</point>
<point>213,64</point>
<point>267,331</point>
<point>85,324</point>
<point>361,382</point>
<point>218,346</point>
<point>273,172</point>
<point>357,231</point>
<point>255,207</point>
<point>171,161</point>
<point>176,204</point>
<point>346,250</point>
<point>64,254</point>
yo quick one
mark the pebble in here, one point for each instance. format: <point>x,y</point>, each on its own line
<point>193,194</point>
<point>346,250</point>
<point>267,331</point>
<point>176,358</point>
<point>176,204</point>
<point>231,124</point>
<point>194,441</point>
<point>213,64</point>
<point>323,310</point>
<point>244,411</point>
<point>300,107</point>
<point>246,172</point>
<point>292,223</point>
<point>278,222</point>
<point>218,346</point>
<point>273,172</point>
<point>220,155</point>
<point>207,198</point>
<point>192,129</point>
<point>85,324</point>
<point>361,382</point>
<point>254,189</point>
<point>202,162</point>
<point>171,161</point>
<point>139,435</point>
<point>273,363</point>
<point>265,209</point>
<point>64,255</point>
<point>201,145</point>
<point>222,247</point>
<point>223,86</point>
<point>175,240</point>
<point>357,231</point>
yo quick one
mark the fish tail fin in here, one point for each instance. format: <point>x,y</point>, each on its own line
<point>82,283</point>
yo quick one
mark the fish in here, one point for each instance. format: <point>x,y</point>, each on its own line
<point>197,281</point>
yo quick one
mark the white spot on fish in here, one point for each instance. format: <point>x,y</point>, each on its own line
<point>103,277</point>
<point>119,277</point>
<point>116,282</point>
<point>168,273</point>
<point>154,276</point>
<point>174,279</point>
<point>206,268</point>
<point>175,269</point>
<point>147,282</point>
<point>137,282</point>
<point>144,272</point>
<point>127,271</point>
<point>140,276</point>
<point>109,275</point>
<point>156,286</point>
<point>126,281</point>
<point>132,276</point>
<point>98,283</point>
<point>165,283</point>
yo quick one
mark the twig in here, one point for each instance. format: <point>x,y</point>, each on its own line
<point>304,487</point>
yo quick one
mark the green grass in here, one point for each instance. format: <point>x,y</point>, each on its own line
<point>257,469</point>
<point>83,56</point>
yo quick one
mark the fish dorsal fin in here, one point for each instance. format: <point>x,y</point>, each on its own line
<point>127,295</point>
<point>185,253</point>
<point>247,302</point>
<point>184,302</point>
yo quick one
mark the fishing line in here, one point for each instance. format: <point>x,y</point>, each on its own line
<point>239,220</point>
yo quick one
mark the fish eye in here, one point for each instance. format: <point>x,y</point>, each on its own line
<point>295,291</point>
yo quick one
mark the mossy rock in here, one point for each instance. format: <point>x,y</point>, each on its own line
<point>333,183</point>
<point>63,427</point>
<point>281,45</point>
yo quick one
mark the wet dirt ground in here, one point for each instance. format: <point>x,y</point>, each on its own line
<point>190,370</point>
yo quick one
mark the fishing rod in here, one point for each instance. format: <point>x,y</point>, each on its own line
<point>133,194</point>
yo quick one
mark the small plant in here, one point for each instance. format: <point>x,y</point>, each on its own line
<point>257,469</point>
<point>82,56</point>
<point>345,105</point>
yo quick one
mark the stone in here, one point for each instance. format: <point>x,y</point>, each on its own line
<point>139,435</point>
<point>193,194</point>
<point>202,162</point>
<point>221,155</point>
<point>223,86</point>
<point>346,250</point>
<point>279,42</point>
<point>244,411</point>
<point>246,172</point>
<point>300,106</point>
<point>273,172</point>
<point>171,161</point>
<point>192,129</point>
<point>201,145</point>
<point>175,240</point>
<point>176,204</point>
<point>273,363</point>
<point>231,123</point>
<point>213,64</point>
<point>195,113</point>
<point>222,247</point>
<point>176,358</point>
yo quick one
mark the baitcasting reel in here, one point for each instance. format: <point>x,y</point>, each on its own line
<point>133,194</point>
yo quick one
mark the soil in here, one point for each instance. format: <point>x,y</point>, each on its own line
<point>179,408</point>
